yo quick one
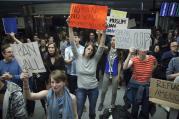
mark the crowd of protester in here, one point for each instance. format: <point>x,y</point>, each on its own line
<point>74,64</point>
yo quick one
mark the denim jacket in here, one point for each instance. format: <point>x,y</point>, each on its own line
<point>136,90</point>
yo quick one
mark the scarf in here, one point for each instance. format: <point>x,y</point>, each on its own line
<point>111,56</point>
<point>59,107</point>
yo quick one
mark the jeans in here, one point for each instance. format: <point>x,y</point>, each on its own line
<point>138,95</point>
<point>144,113</point>
<point>81,95</point>
<point>72,83</point>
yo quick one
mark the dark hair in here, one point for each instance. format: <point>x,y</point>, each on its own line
<point>4,47</point>
<point>94,49</point>
<point>57,52</point>
<point>58,75</point>
<point>120,54</point>
<point>76,33</point>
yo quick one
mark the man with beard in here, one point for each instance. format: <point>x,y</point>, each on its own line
<point>9,68</point>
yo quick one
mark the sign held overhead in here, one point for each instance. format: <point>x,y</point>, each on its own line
<point>133,38</point>
<point>88,16</point>
<point>118,14</point>
<point>10,25</point>
<point>114,23</point>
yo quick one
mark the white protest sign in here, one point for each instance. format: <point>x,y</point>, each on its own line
<point>28,57</point>
<point>114,23</point>
<point>133,38</point>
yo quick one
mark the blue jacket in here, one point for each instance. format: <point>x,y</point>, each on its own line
<point>114,66</point>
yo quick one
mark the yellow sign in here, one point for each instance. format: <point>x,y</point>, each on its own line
<point>118,14</point>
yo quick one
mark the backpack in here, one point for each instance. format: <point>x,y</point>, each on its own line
<point>118,112</point>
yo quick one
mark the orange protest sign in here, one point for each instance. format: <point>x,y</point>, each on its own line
<point>88,16</point>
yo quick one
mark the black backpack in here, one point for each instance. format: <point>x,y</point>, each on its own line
<point>118,112</point>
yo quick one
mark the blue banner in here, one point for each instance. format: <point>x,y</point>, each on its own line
<point>10,25</point>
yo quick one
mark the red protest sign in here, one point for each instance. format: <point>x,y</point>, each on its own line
<point>88,16</point>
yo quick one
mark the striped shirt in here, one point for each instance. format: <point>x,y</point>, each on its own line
<point>142,69</point>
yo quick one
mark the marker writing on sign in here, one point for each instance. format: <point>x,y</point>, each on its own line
<point>32,64</point>
<point>167,95</point>
<point>117,21</point>
<point>27,49</point>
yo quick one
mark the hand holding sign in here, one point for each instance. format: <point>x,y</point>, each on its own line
<point>6,76</point>
<point>24,75</point>
<point>67,20</point>
<point>132,51</point>
<point>12,34</point>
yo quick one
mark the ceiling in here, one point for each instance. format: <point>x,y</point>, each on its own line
<point>14,7</point>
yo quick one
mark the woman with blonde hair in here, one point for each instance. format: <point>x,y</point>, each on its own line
<point>60,103</point>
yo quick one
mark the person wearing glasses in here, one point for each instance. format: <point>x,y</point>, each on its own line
<point>167,56</point>
<point>9,67</point>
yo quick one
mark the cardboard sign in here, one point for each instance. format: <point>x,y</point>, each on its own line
<point>118,14</point>
<point>28,57</point>
<point>10,25</point>
<point>164,92</point>
<point>114,23</point>
<point>20,23</point>
<point>131,23</point>
<point>88,16</point>
<point>133,38</point>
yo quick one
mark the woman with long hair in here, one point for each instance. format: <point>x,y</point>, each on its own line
<point>86,71</point>
<point>53,60</point>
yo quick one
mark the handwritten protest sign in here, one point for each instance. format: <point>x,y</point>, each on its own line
<point>133,38</point>
<point>10,25</point>
<point>28,57</point>
<point>164,92</point>
<point>88,16</point>
<point>118,14</point>
<point>115,23</point>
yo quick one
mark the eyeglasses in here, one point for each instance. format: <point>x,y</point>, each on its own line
<point>51,47</point>
<point>174,46</point>
<point>8,52</point>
